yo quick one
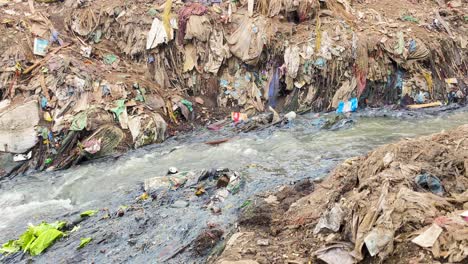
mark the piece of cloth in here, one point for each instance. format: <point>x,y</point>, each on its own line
<point>292,61</point>
<point>345,92</point>
<point>218,52</point>
<point>190,57</point>
<point>198,27</point>
<point>273,88</point>
<point>184,15</point>
<point>246,43</point>
<point>430,183</point>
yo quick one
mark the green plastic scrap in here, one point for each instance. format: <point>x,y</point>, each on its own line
<point>152,12</point>
<point>410,18</point>
<point>119,109</point>
<point>97,36</point>
<point>43,241</point>
<point>109,59</point>
<point>245,204</point>
<point>140,95</point>
<point>84,242</point>
<point>88,213</point>
<point>401,43</point>
<point>79,121</point>
<point>188,104</point>
<point>44,132</point>
<point>36,239</point>
<point>234,185</point>
<point>10,247</point>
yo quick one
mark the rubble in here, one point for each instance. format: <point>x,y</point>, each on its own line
<point>147,62</point>
<point>373,209</point>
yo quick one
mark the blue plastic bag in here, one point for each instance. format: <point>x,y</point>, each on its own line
<point>349,106</point>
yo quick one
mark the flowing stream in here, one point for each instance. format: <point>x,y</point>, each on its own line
<point>266,160</point>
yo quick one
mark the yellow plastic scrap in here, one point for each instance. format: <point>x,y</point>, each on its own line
<point>144,196</point>
<point>167,17</point>
<point>47,117</point>
<point>318,34</point>
<point>171,113</point>
<point>428,76</point>
<point>200,191</point>
<point>7,20</point>
<point>18,67</point>
<point>419,106</point>
<point>451,80</point>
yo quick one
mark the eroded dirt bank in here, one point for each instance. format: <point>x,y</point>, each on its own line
<point>405,202</point>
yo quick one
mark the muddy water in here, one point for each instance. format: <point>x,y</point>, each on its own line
<point>266,160</point>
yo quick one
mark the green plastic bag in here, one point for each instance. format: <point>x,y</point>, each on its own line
<point>88,213</point>
<point>36,239</point>
<point>45,240</point>
<point>84,242</point>
<point>79,121</point>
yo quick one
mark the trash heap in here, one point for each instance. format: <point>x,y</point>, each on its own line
<point>413,192</point>
<point>402,203</point>
<point>144,66</point>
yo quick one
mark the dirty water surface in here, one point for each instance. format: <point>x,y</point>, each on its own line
<point>156,231</point>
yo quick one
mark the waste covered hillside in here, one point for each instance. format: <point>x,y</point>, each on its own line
<point>84,79</point>
<point>405,202</point>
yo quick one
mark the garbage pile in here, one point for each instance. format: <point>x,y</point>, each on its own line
<point>146,66</point>
<point>402,203</point>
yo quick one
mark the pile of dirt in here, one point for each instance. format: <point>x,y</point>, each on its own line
<point>402,203</point>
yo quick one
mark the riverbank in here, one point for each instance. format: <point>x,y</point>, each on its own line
<point>402,203</point>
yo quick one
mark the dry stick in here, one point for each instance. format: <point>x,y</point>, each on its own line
<point>38,63</point>
<point>177,251</point>
<point>459,143</point>
<point>45,90</point>
<point>31,6</point>
<point>218,141</point>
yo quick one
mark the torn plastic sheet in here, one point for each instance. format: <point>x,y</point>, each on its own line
<point>330,220</point>
<point>428,237</point>
<point>378,239</point>
<point>338,253</point>
<point>17,127</point>
<point>157,35</point>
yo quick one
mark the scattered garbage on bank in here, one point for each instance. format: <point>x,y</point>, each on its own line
<point>84,242</point>
<point>149,75</point>
<point>219,183</point>
<point>36,239</point>
<point>403,202</point>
